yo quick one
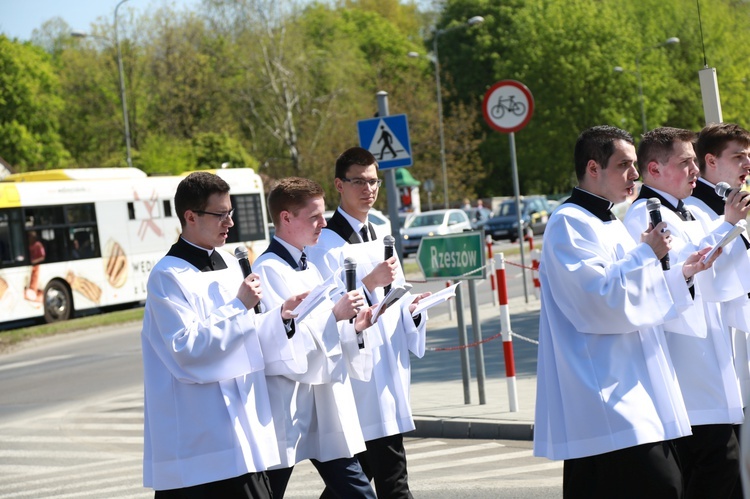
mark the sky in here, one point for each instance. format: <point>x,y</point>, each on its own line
<point>18,18</point>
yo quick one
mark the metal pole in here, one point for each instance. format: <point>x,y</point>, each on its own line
<point>390,182</point>
<point>122,90</point>
<point>476,327</point>
<point>463,341</point>
<point>640,94</point>
<point>516,189</point>
<point>440,118</point>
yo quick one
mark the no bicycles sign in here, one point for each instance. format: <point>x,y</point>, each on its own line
<point>508,106</point>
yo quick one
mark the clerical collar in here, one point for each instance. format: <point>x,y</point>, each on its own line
<point>706,192</point>
<point>208,251</point>
<point>200,258</point>
<point>600,207</point>
<point>356,224</point>
<point>667,200</point>
<point>295,253</point>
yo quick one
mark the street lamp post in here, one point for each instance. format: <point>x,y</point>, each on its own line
<point>471,22</point>
<point>122,89</point>
<point>619,69</point>
<point>79,34</point>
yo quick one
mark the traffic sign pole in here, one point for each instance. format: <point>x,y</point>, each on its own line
<point>476,327</point>
<point>507,107</point>
<point>390,184</point>
<point>463,341</point>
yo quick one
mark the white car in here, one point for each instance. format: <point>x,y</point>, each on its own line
<point>432,223</point>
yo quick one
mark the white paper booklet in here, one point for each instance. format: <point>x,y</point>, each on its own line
<point>436,298</point>
<point>728,237</point>
<point>317,295</point>
<point>394,295</point>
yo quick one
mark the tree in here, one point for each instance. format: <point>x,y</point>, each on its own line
<point>29,108</point>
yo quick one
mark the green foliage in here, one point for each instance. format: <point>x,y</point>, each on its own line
<point>278,85</point>
<point>211,150</point>
<point>29,108</point>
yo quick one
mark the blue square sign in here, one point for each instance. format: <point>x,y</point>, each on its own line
<point>387,138</point>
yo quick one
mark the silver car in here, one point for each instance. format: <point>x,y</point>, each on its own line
<point>432,223</point>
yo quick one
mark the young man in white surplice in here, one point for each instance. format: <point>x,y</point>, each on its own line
<point>315,414</point>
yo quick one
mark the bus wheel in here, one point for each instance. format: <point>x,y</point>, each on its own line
<point>58,304</point>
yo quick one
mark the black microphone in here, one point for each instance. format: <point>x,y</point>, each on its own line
<point>350,274</point>
<point>653,205</point>
<point>389,241</point>
<point>723,189</point>
<point>241,253</point>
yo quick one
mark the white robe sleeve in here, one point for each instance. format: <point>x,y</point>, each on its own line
<point>691,320</point>
<point>197,340</point>
<point>628,288</point>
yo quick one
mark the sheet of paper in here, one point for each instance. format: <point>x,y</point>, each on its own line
<point>728,237</point>
<point>436,298</point>
<point>316,296</point>
<point>395,294</point>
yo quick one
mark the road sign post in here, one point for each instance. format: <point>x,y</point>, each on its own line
<point>507,108</point>
<point>452,256</point>
<point>459,256</point>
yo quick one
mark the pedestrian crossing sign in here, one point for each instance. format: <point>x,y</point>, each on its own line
<point>387,138</point>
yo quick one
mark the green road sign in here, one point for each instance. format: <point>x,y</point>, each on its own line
<point>452,256</point>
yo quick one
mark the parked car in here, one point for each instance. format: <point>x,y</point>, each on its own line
<point>478,216</point>
<point>432,223</point>
<point>535,211</point>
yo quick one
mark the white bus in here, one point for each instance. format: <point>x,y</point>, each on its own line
<point>86,239</point>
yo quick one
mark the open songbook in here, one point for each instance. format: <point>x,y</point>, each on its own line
<point>728,237</point>
<point>436,298</point>
<point>392,297</point>
<point>317,295</point>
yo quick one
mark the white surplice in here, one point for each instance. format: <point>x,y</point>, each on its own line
<point>734,267</point>
<point>604,377</point>
<point>383,402</point>
<point>207,414</point>
<point>315,412</point>
<point>704,364</point>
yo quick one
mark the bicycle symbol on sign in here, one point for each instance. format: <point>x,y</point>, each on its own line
<point>507,104</point>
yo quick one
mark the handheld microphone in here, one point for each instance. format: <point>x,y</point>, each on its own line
<point>241,253</point>
<point>389,241</point>
<point>723,189</point>
<point>653,205</point>
<point>350,274</point>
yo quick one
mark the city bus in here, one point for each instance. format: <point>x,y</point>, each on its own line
<point>77,240</point>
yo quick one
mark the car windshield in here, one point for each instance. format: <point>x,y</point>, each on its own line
<point>426,219</point>
<point>506,209</point>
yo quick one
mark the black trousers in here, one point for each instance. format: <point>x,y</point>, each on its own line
<point>710,460</point>
<point>384,462</point>
<point>248,486</point>
<point>343,477</point>
<point>648,471</point>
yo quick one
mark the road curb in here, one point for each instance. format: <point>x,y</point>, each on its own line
<point>466,428</point>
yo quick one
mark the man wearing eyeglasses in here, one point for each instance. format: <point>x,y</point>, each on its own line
<point>208,430</point>
<point>383,401</point>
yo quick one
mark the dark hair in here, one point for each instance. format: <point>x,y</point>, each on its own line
<point>658,145</point>
<point>713,139</point>
<point>291,194</point>
<point>194,190</point>
<point>353,156</point>
<point>597,143</point>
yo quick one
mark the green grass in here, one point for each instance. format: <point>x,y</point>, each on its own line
<point>13,337</point>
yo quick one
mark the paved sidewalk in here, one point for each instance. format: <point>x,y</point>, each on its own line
<point>437,390</point>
